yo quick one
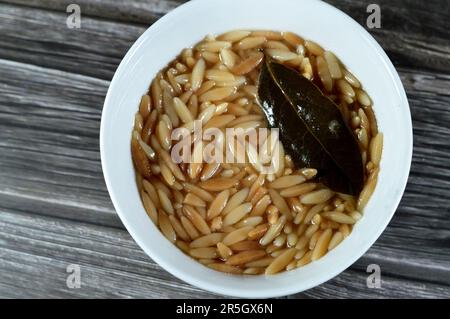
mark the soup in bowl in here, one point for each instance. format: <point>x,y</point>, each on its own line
<point>267,225</point>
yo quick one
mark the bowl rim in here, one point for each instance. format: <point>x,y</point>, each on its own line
<point>177,271</point>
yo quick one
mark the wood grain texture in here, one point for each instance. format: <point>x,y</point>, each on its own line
<point>136,11</point>
<point>49,124</point>
<point>95,49</point>
<point>111,264</point>
<point>414,36</point>
<point>54,206</point>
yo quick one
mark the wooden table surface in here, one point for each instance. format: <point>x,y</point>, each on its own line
<point>54,206</point>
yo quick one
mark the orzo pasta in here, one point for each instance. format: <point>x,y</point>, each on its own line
<point>232,216</point>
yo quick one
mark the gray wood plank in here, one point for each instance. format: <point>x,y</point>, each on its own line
<point>35,251</point>
<point>49,124</point>
<point>414,33</point>
<point>353,284</point>
<point>42,38</point>
<point>138,11</point>
<point>113,266</point>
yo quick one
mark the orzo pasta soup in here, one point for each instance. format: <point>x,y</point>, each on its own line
<point>255,151</point>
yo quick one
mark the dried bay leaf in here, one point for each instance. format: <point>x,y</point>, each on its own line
<point>311,127</point>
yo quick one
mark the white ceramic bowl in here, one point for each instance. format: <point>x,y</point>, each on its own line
<point>311,19</point>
